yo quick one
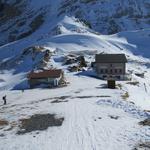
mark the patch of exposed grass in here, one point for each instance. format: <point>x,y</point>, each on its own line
<point>4,122</point>
<point>133,83</point>
<point>39,122</point>
<point>125,96</point>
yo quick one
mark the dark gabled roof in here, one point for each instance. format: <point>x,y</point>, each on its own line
<point>110,58</point>
<point>45,74</point>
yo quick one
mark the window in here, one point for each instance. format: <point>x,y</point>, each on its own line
<point>118,77</point>
<point>120,70</point>
<point>102,71</point>
<point>104,76</point>
<point>106,71</point>
<point>116,71</point>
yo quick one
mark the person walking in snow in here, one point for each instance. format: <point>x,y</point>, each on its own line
<point>4,99</point>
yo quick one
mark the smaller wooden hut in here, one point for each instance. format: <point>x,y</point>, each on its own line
<point>49,78</point>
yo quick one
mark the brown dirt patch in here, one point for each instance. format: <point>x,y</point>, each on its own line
<point>39,122</point>
<point>3,123</point>
<point>125,96</point>
<point>145,122</point>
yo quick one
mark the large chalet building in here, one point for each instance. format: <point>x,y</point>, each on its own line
<point>110,66</point>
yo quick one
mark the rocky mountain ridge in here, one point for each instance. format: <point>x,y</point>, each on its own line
<point>22,18</point>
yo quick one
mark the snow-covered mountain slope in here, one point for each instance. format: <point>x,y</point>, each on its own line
<point>74,38</point>
<point>110,16</point>
<point>20,57</point>
<point>22,18</point>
